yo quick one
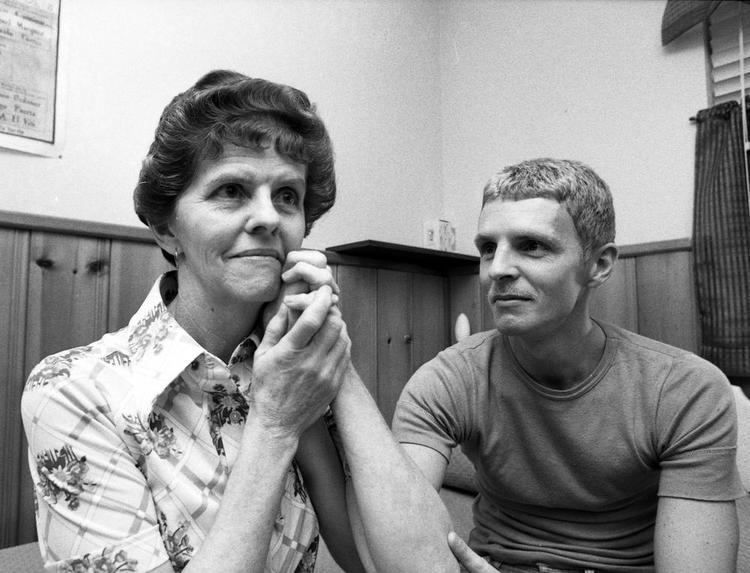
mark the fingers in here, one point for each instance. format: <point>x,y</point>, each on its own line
<point>275,329</point>
<point>472,562</point>
<point>300,302</point>
<point>311,319</point>
<point>309,267</point>
<point>310,256</point>
<point>311,275</point>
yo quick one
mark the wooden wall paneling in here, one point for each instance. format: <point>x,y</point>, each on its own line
<point>616,301</point>
<point>358,302</point>
<point>430,320</point>
<point>465,297</point>
<point>666,299</point>
<point>134,268</point>
<point>394,337</point>
<point>68,293</point>
<point>14,476</point>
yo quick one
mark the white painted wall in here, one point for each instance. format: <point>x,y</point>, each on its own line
<point>424,99</point>
<point>371,67</point>
<point>577,79</point>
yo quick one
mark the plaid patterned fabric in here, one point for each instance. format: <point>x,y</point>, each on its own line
<point>131,441</point>
<point>721,239</point>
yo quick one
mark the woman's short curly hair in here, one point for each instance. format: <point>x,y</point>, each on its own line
<point>226,107</point>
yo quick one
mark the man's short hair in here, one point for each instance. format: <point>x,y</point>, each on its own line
<point>576,186</point>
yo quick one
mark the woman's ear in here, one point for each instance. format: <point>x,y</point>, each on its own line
<point>602,263</point>
<point>164,237</point>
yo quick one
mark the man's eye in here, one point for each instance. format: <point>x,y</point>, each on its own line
<point>532,246</point>
<point>486,249</point>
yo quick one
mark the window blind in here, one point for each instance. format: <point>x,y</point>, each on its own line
<point>727,24</point>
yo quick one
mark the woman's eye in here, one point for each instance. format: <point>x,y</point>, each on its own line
<point>229,191</point>
<point>287,196</point>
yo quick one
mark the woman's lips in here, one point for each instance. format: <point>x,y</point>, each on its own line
<point>273,253</point>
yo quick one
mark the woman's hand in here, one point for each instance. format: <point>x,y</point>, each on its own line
<point>470,561</point>
<point>304,271</point>
<point>297,370</point>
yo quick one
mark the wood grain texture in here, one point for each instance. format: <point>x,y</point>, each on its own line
<point>358,302</point>
<point>616,300</point>
<point>134,267</point>
<point>68,293</point>
<point>394,337</point>
<point>14,474</point>
<point>430,326</point>
<point>666,299</point>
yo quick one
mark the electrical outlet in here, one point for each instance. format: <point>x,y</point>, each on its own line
<point>431,234</point>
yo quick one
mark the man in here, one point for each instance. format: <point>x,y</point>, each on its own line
<point>596,449</point>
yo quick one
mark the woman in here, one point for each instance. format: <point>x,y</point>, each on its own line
<point>195,439</point>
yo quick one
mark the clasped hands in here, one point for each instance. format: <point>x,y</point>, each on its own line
<point>300,364</point>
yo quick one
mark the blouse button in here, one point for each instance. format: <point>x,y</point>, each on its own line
<point>235,417</point>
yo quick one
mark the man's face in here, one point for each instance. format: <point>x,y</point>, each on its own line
<point>531,262</point>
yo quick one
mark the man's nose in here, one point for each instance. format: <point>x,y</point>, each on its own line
<point>503,264</point>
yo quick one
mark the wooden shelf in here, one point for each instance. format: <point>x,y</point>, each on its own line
<point>380,250</point>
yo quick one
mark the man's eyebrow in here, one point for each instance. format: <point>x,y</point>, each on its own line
<point>480,238</point>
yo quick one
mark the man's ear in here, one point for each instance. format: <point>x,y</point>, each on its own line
<point>601,264</point>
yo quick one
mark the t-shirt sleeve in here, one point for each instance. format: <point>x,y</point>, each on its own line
<point>696,426</point>
<point>434,407</point>
<point>94,508</point>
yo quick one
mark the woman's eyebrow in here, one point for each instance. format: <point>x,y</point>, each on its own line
<point>283,176</point>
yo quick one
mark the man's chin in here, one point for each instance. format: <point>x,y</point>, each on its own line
<point>510,326</point>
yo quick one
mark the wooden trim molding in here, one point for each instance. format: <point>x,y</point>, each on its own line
<point>33,222</point>
<point>656,247</point>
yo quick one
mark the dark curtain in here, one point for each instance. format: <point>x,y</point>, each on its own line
<point>721,240</point>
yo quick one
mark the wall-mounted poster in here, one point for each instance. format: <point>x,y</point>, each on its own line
<point>29,65</point>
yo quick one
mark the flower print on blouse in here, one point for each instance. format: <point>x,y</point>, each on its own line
<point>153,435</point>
<point>131,442</point>
<point>62,472</point>
<point>177,543</point>
<point>101,563</point>
<point>228,406</point>
<point>54,366</point>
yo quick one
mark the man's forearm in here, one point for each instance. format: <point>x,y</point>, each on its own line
<point>404,520</point>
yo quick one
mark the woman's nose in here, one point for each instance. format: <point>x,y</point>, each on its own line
<point>262,214</point>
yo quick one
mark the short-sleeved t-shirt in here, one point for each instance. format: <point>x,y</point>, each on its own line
<point>572,477</point>
<point>131,442</point>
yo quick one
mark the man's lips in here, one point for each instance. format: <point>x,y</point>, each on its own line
<point>509,297</point>
<point>273,253</point>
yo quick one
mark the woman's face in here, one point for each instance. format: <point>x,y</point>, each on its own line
<point>235,224</point>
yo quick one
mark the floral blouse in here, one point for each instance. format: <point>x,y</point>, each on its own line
<point>131,441</point>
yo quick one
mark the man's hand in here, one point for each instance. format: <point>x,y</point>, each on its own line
<point>469,560</point>
<point>297,371</point>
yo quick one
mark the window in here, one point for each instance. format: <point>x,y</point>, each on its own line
<point>728,23</point>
